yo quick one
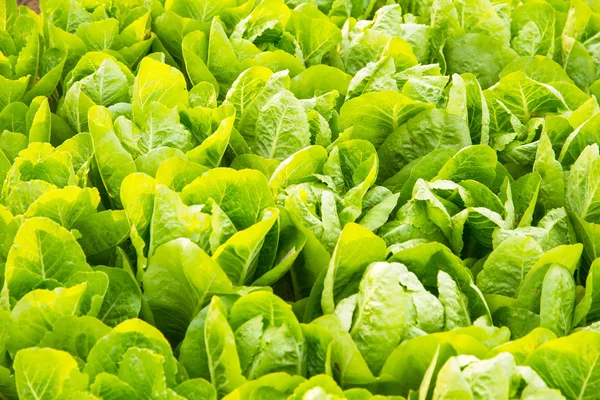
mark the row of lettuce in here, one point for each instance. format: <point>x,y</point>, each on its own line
<point>343,199</point>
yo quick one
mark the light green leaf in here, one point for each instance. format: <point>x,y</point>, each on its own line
<point>47,374</point>
<point>357,247</point>
<point>179,282</point>
<point>223,360</point>
<point>42,251</point>
<point>114,162</point>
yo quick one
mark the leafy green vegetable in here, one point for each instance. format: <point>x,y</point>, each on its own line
<point>293,199</point>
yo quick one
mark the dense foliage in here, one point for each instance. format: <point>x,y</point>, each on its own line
<point>296,199</point>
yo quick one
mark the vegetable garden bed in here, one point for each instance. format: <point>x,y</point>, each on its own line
<point>328,199</point>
